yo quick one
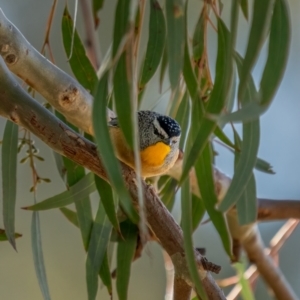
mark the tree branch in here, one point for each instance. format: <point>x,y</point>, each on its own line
<point>247,236</point>
<point>270,210</point>
<point>275,245</point>
<point>181,290</point>
<point>61,90</point>
<point>250,239</point>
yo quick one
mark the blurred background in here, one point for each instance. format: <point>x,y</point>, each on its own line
<point>62,245</point>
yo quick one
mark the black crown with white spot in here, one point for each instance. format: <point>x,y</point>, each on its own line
<point>169,125</point>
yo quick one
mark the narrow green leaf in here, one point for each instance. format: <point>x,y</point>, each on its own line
<point>189,76</point>
<point>123,95</point>
<point>203,170</point>
<point>105,274</point>
<point>262,12</point>
<point>38,257</point>
<point>232,94</point>
<point>247,204</point>
<point>247,158</point>
<point>264,166</point>
<point>3,236</point>
<point>73,173</point>
<point>219,133</point>
<point>249,112</point>
<point>104,271</point>
<point>167,194</point>
<point>260,165</point>
<point>246,292</point>
<point>106,150</point>
<point>70,215</point>
<point>79,62</point>
<point>121,24</point>
<point>83,205</point>
<point>97,249</point>
<point>216,102</point>
<point>186,221</point>
<point>279,46</point>
<point>183,117</point>
<point>198,211</point>
<point>163,67</point>
<point>78,191</point>
<point>97,6</point>
<point>106,195</point>
<point>155,45</point>
<point>244,8</point>
<point>198,38</point>
<point>234,18</point>
<point>125,254</point>
<point>175,39</point>
<point>9,178</point>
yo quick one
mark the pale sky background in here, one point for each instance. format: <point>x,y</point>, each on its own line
<point>63,250</point>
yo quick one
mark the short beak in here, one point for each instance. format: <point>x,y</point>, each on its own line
<point>168,142</point>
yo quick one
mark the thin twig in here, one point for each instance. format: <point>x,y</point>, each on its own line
<point>271,210</point>
<point>47,33</point>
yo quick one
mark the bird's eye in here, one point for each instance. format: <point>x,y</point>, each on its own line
<point>174,142</point>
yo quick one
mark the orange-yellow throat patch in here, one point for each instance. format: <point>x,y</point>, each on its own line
<point>155,155</point>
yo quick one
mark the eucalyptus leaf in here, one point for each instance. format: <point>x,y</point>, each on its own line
<point>217,101</point>
<point>244,7</point>
<point>155,45</point>
<point>38,257</point>
<point>75,173</point>
<point>121,24</point>
<point>175,39</point>
<point>262,13</point>
<point>279,45</point>
<point>96,7</point>
<point>198,37</point>
<point>105,147</point>
<point>70,215</point>
<point>125,253</point>
<point>247,204</point>
<point>186,221</point>
<point>106,196</point>
<point>9,178</point>
<point>198,211</point>
<point>123,94</point>
<point>206,185</point>
<point>105,274</point>
<point>97,249</point>
<point>239,190</point>
<point>79,62</point>
<point>163,68</point>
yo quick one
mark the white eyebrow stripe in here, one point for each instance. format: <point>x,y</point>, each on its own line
<point>160,129</point>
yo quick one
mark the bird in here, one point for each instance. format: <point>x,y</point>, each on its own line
<point>159,137</point>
